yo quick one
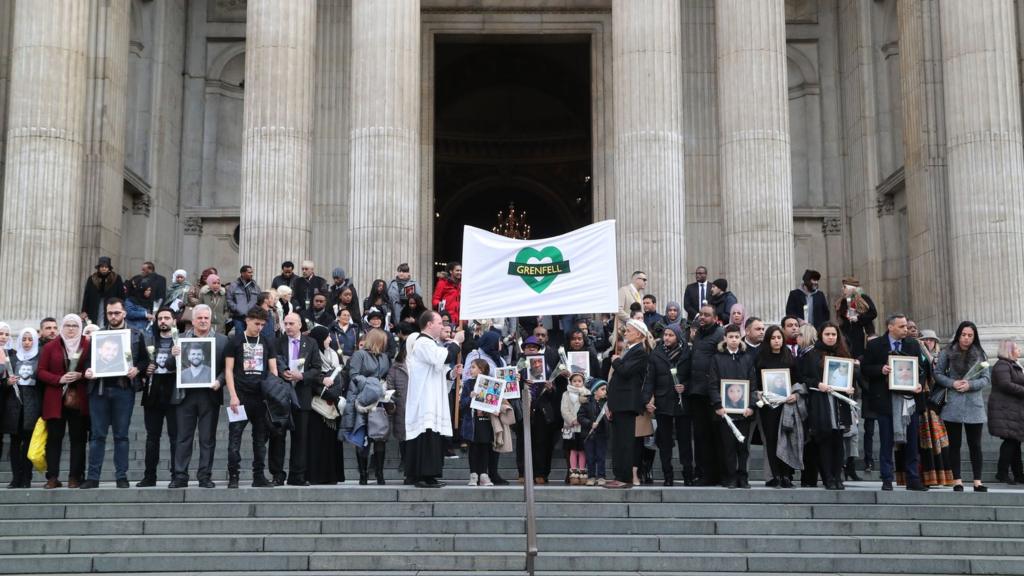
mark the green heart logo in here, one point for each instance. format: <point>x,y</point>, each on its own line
<point>538,276</point>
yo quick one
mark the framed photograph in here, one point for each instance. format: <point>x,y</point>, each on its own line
<point>196,363</point>
<point>902,373</point>
<point>487,393</point>
<point>777,381</point>
<point>536,368</point>
<point>111,353</point>
<point>579,363</point>
<point>735,396</point>
<point>838,373</point>
<point>508,376</point>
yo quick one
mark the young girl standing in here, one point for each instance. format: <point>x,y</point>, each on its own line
<point>475,427</point>
<point>575,396</point>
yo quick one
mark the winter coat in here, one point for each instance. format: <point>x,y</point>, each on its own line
<point>626,386</point>
<point>572,400</point>
<point>19,410</point>
<point>97,290</point>
<point>703,349</point>
<point>856,333</point>
<point>501,427</point>
<point>819,306</point>
<point>304,289</point>
<point>728,366</point>
<point>218,303</point>
<point>825,413</point>
<point>241,297</point>
<point>49,372</point>
<point>589,413</point>
<point>398,380</point>
<point>281,401</point>
<point>447,294</point>
<point>966,407</point>
<point>367,374</point>
<point>1006,403</point>
<point>774,362</point>
<point>877,397</point>
<point>345,341</point>
<point>660,383</point>
<point>135,315</point>
<point>723,304</point>
<point>398,297</point>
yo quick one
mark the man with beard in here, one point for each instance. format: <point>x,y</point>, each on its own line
<point>807,302</point>
<point>199,407</point>
<point>791,331</point>
<point>319,314</point>
<point>753,329</point>
<point>704,341</point>
<point>104,283</point>
<point>111,402</point>
<point>286,277</point>
<point>47,331</point>
<point>148,277</point>
<point>157,402</point>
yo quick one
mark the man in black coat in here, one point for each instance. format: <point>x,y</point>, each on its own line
<point>696,294</point>
<point>299,359</point>
<point>880,400</point>
<point>807,302</point>
<point>104,283</point>
<point>150,278</point>
<point>705,341</point>
<point>625,402</point>
<point>306,286</point>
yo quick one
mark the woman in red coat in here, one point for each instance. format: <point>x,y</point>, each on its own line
<point>448,292</point>
<point>61,363</point>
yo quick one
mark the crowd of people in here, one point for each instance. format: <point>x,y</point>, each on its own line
<point>314,371</point>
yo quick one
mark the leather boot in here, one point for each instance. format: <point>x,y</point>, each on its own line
<point>378,466</point>
<point>850,471</point>
<point>361,461</point>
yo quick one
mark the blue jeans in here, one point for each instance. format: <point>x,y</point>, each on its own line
<point>596,449</point>
<point>113,408</point>
<point>911,456</point>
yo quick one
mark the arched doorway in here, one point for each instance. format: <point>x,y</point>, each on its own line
<point>512,125</point>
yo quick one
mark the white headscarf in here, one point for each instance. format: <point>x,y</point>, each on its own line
<point>26,355</point>
<point>71,346</point>
<point>6,326</point>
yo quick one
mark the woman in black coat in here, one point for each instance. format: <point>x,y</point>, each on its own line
<point>773,354</point>
<point>1006,411</point>
<point>828,416</point>
<point>19,399</point>
<point>672,354</point>
<point>855,314</point>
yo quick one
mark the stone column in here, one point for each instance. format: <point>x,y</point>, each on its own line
<point>650,200</point>
<point>986,163</point>
<point>384,197</point>
<point>924,143</point>
<point>277,138</point>
<point>757,201</point>
<point>105,130</point>
<point>39,271</point>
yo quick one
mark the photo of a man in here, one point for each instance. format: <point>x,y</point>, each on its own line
<point>536,369</point>
<point>197,363</point>
<point>109,357</point>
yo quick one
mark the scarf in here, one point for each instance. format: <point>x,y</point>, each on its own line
<point>71,344</point>
<point>177,291</point>
<point>26,355</point>
<point>489,346</point>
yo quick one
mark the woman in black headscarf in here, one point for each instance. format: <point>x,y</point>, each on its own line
<point>326,461</point>
<point>489,350</point>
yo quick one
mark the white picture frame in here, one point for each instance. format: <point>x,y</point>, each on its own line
<point>536,368</point>
<point>837,373</point>
<point>903,373</point>
<point>579,362</point>
<point>733,405</point>
<point>510,376</point>
<point>206,376</point>
<point>487,394</point>
<point>777,381</point>
<point>110,353</point>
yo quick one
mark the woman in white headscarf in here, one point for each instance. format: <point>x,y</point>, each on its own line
<point>65,400</point>
<point>19,399</point>
<point>177,292</point>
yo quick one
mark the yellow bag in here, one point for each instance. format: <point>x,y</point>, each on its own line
<point>37,446</point>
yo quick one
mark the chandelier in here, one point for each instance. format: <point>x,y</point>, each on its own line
<point>512,224</point>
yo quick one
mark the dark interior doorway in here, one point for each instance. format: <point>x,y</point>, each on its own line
<point>512,125</point>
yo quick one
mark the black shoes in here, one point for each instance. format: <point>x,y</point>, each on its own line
<point>431,484</point>
<point>919,487</point>
<point>262,482</point>
<point>742,483</point>
<point>233,482</point>
<point>981,488</point>
<point>207,483</point>
<point>773,483</point>
<point>123,483</point>
<point>146,483</point>
<point>278,480</point>
<point>298,482</point>
<point>786,482</point>
<point>88,485</point>
<point>887,486</point>
<point>178,484</point>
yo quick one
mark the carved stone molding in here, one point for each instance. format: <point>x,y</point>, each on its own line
<point>886,204</point>
<point>193,226</point>
<point>141,204</point>
<point>831,226</point>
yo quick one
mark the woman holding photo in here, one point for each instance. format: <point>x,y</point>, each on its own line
<point>65,404</point>
<point>959,392</point>
<point>20,404</point>
<point>828,417</point>
<point>774,355</point>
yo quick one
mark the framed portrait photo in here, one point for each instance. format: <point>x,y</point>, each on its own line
<point>486,395</point>
<point>777,381</point>
<point>196,363</point>
<point>902,373</point>
<point>735,396</point>
<point>838,373</point>
<point>111,353</point>
<point>508,375</point>
<point>579,363</point>
<point>536,369</point>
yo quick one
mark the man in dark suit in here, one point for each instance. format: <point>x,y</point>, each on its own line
<point>300,358</point>
<point>625,401</point>
<point>807,302</point>
<point>696,294</point>
<point>897,412</point>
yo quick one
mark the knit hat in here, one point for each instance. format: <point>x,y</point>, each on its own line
<point>212,278</point>
<point>851,280</point>
<point>722,284</point>
<point>338,272</point>
<point>678,331</point>
<point>104,261</point>
<point>597,384</point>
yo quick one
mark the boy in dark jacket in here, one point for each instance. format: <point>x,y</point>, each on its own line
<point>732,363</point>
<point>595,427</point>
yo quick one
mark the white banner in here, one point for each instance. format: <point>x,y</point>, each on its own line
<point>574,273</point>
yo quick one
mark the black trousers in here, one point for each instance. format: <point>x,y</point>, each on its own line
<point>770,430</point>
<point>735,454</point>
<point>1010,460</point>
<point>299,455</point>
<point>623,441</point>
<point>198,410</point>
<point>478,457</point>
<point>544,438</point>
<point>77,427</point>
<point>155,417</point>
<point>830,455</point>
<point>673,429</point>
<point>869,440</point>
<point>706,457</point>
<point>955,430</point>
<point>517,429</point>
<point>255,412</point>
<point>809,475</point>
<point>21,468</point>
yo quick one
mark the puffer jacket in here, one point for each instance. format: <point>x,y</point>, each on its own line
<point>366,386</point>
<point>728,366</point>
<point>1006,403</point>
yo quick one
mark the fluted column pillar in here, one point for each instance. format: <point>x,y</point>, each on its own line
<point>985,163</point>
<point>278,134</point>
<point>757,198</point>
<point>105,130</point>
<point>650,200</point>
<point>384,197</point>
<point>39,271</point>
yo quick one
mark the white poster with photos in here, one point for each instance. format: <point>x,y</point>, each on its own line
<point>196,363</point>
<point>111,353</point>
<point>579,363</point>
<point>509,375</point>
<point>487,394</point>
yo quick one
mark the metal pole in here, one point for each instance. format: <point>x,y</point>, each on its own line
<point>531,516</point>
